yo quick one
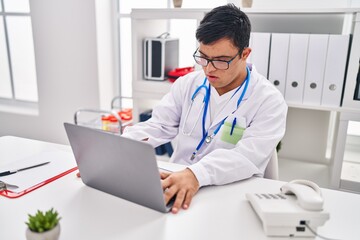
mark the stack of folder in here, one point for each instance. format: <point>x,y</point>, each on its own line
<point>307,69</point>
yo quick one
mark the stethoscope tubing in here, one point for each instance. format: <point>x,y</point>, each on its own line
<point>204,106</point>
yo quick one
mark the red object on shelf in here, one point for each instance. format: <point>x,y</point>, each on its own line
<point>126,114</point>
<point>105,118</point>
<point>179,72</point>
<point>112,119</point>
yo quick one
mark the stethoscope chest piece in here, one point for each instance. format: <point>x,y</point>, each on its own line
<point>208,139</point>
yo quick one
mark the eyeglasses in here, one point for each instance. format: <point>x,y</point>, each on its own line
<point>218,64</point>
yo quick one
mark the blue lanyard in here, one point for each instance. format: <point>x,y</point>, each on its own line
<point>206,100</point>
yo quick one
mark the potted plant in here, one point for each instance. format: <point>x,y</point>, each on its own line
<point>43,226</point>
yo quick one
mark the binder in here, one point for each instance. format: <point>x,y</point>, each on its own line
<point>295,77</point>
<point>315,68</point>
<point>260,49</point>
<point>279,51</point>
<point>335,70</point>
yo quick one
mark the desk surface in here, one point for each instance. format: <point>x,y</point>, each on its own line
<point>217,212</point>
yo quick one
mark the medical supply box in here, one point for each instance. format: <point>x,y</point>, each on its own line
<point>160,56</point>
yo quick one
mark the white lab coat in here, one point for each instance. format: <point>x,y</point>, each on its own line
<point>263,108</point>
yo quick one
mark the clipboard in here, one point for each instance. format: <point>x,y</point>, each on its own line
<point>61,164</point>
<point>11,194</point>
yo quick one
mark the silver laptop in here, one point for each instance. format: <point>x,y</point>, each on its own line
<point>117,165</point>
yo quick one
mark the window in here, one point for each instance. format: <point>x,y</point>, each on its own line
<point>17,58</point>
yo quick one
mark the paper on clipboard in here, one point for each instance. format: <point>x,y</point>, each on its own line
<point>60,162</point>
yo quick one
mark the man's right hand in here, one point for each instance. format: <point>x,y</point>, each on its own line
<point>183,184</point>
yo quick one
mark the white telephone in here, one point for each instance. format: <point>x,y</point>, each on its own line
<point>288,213</point>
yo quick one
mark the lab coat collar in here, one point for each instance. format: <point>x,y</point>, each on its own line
<point>232,105</point>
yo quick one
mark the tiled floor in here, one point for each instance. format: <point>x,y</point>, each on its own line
<point>350,173</point>
<point>351,166</point>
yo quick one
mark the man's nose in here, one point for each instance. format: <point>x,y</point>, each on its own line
<point>210,67</point>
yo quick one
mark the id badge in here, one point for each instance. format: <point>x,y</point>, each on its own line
<point>233,130</point>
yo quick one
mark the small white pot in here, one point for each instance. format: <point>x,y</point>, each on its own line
<point>52,234</point>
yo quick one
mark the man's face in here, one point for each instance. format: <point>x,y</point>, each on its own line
<point>223,49</point>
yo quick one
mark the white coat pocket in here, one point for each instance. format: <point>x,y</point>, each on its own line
<point>233,130</point>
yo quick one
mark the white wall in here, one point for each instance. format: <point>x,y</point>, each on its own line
<point>67,70</point>
<point>107,51</point>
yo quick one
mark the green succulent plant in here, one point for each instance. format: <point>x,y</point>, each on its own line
<point>41,222</point>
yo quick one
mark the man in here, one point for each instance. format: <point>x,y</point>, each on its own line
<point>227,118</point>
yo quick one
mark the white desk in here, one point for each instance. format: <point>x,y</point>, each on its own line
<point>217,212</point>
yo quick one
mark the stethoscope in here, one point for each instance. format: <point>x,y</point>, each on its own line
<point>206,138</point>
<point>204,107</point>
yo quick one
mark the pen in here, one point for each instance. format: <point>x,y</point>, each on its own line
<point>6,173</point>
<point>233,126</point>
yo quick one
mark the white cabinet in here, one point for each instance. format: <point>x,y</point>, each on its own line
<point>312,129</point>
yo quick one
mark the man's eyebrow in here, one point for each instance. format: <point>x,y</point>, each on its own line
<point>214,57</point>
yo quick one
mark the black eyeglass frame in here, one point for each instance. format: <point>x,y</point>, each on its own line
<point>212,60</point>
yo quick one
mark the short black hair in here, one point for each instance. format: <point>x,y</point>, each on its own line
<point>226,21</point>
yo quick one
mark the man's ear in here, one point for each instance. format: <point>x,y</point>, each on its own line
<point>245,53</point>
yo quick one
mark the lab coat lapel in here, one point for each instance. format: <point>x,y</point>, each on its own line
<point>231,106</point>
<point>228,109</point>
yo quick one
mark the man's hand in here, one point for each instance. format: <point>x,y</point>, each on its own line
<point>183,184</point>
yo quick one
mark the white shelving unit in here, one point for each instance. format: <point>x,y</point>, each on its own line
<point>311,130</point>
<point>152,23</point>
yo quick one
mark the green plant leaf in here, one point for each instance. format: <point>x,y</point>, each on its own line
<point>41,222</point>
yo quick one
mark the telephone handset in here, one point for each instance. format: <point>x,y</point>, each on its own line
<point>286,213</point>
<point>308,194</point>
